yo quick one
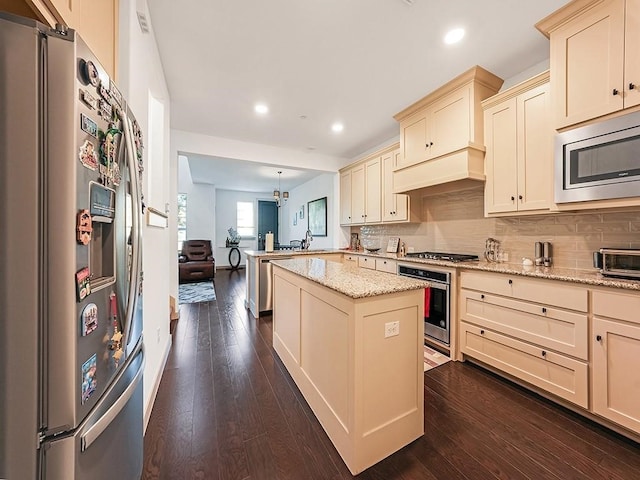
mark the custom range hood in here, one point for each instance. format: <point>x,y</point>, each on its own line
<point>441,135</point>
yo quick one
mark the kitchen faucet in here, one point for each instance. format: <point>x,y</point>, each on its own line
<point>307,240</point>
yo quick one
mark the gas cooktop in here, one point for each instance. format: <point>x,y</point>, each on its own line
<point>450,257</point>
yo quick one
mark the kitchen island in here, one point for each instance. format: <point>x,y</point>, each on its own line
<point>352,340</point>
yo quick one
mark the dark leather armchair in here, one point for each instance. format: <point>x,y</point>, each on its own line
<point>195,262</point>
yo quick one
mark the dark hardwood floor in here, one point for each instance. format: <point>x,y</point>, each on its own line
<point>227,409</point>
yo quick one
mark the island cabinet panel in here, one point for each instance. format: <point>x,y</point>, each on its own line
<point>365,387</point>
<point>324,336</point>
<point>287,328</point>
<point>379,377</point>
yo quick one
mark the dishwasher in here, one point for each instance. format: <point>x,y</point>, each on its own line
<point>265,280</point>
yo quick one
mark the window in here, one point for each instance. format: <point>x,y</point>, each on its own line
<point>244,219</point>
<point>182,219</point>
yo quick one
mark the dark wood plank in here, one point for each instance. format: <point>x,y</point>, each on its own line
<point>228,409</point>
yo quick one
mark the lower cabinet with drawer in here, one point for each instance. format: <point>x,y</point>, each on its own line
<point>615,346</point>
<point>533,329</point>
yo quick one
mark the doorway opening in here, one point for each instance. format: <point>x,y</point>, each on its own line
<point>267,222</point>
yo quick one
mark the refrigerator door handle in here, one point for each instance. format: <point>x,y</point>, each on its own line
<point>92,434</point>
<point>135,227</point>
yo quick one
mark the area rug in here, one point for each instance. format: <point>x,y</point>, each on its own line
<point>433,359</point>
<point>196,292</point>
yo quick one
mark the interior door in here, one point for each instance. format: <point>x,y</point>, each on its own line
<point>267,222</point>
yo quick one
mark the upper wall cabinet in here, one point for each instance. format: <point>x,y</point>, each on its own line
<point>595,58</point>
<point>441,136</point>
<point>95,20</point>
<point>518,136</point>
<point>366,192</point>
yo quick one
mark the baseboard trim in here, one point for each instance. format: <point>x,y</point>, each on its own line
<point>156,386</point>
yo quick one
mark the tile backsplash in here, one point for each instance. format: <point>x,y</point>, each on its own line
<point>455,222</point>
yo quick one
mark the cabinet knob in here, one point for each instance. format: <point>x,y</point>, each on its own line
<point>544,309</point>
<point>431,144</point>
<point>481,332</point>
<point>519,197</point>
<point>510,282</point>
<point>512,198</point>
<point>482,296</point>
<point>544,354</point>
<point>632,86</point>
<point>598,338</point>
<point>615,91</point>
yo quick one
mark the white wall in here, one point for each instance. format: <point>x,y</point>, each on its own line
<point>201,205</point>
<point>140,76</point>
<point>321,186</point>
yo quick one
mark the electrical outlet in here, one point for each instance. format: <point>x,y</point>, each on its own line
<point>391,329</point>
<point>158,332</point>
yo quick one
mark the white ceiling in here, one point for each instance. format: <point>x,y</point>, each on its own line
<point>355,61</point>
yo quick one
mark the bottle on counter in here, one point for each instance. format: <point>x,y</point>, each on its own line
<point>403,250</point>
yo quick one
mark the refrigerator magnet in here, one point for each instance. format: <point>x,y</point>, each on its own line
<point>89,126</point>
<point>89,319</point>
<point>83,227</point>
<point>89,73</point>
<point>89,100</point>
<point>104,93</point>
<point>89,380</point>
<point>115,93</point>
<point>88,155</point>
<point>83,283</point>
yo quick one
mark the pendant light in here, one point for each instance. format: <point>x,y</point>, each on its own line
<point>280,199</point>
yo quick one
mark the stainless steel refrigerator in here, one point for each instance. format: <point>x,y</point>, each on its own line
<point>71,352</point>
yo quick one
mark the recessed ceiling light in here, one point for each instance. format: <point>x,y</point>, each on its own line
<point>337,127</point>
<point>261,108</point>
<point>454,36</point>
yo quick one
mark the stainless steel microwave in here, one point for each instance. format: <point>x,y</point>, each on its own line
<point>599,161</point>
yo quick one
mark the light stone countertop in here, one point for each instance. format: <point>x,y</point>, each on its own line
<point>348,279</point>
<point>583,276</point>
<point>290,253</point>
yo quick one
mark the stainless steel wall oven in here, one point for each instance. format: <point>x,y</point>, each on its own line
<point>437,300</point>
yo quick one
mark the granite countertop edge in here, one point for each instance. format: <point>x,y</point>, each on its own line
<point>582,276</point>
<point>350,280</point>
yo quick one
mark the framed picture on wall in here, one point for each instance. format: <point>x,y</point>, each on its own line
<point>317,211</point>
<point>295,219</point>
<point>301,212</point>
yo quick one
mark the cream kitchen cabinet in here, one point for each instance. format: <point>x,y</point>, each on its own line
<point>95,20</point>
<point>615,347</point>
<point>595,58</point>
<point>532,329</point>
<point>441,135</point>
<point>519,136</point>
<point>395,207</point>
<point>366,186</point>
<point>367,262</point>
<point>345,198</point>
<point>386,265</point>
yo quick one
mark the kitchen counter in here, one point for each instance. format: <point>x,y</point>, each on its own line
<point>352,340</point>
<point>583,276</point>
<point>349,280</point>
<point>289,253</point>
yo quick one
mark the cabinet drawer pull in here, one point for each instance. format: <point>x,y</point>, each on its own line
<point>482,296</point>
<point>544,354</point>
<point>632,86</point>
<point>615,91</point>
<point>599,338</point>
<point>481,332</point>
<point>513,198</point>
<point>544,309</point>
<point>510,282</point>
